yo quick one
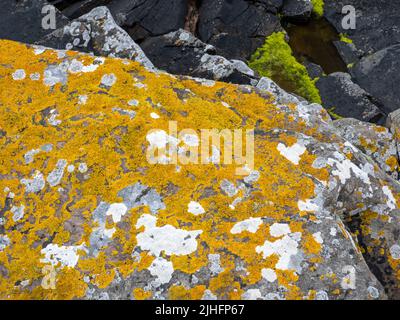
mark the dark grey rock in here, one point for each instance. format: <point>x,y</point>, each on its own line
<point>343,97</point>
<point>237,27</point>
<point>22,20</point>
<point>379,75</point>
<point>297,10</point>
<point>314,70</point>
<point>377,22</point>
<point>181,53</point>
<point>348,52</point>
<point>144,18</point>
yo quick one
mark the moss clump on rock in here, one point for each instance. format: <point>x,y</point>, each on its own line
<point>318,6</point>
<point>275,60</point>
<point>345,38</point>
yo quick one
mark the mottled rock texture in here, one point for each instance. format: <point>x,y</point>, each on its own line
<point>314,219</point>
<point>341,96</point>
<point>379,74</point>
<point>96,32</point>
<point>221,23</point>
<point>180,52</point>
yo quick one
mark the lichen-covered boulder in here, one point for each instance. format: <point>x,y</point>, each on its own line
<point>96,32</point>
<point>87,213</point>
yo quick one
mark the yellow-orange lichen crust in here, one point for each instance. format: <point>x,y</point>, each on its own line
<point>113,147</point>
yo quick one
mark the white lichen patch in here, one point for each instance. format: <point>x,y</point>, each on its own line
<point>117,211</point>
<point>133,103</point>
<point>82,167</point>
<point>67,256</point>
<point>108,80</point>
<point>160,139</point>
<point>19,74</point>
<point>249,225</point>
<point>279,229</point>
<point>4,242</point>
<point>215,263</point>
<point>307,205</point>
<point>395,251</point>
<point>345,167</point>
<point>18,212</point>
<point>292,153</point>
<point>391,202</point>
<point>269,274</point>
<point>154,115</point>
<point>195,208</point>
<point>284,248</point>
<point>162,269</point>
<point>167,239</point>
<point>35,184</point>
<point>318,237</point>
<point>252,294</point>
<point>54,178</point>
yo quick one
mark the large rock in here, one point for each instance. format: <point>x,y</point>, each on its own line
<point>237,28</point>
<point>344,98</point>
<point>88,214</point>
<point>180,52</point>
<point>379,75</point>
<point>22,20</point>
<point>141,18</point>
<point>377,22</point>
<point>96,32</point>
<point>144,18</point>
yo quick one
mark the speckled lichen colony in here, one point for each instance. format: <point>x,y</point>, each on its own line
<point>81,203</point>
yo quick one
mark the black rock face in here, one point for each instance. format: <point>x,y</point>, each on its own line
<point>377,22</point>
<point>145,18</point>
<point>297,10</point>
<point>343,97</point>
<point>237,27</point>
<point>181,53</point>
<point>379,74</point>
<point>22,20</point>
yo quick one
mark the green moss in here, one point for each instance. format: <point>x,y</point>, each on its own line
<point>334,115</point>
<point>275,60</point>
<point>344,38</point>
<point>318,6</point>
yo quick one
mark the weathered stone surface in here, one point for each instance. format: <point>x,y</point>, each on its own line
<point>297,10</point>
<point>377,22</point>
<point>110,224</point>
<point>22,20</point>
<point>374,141</point>
<point>379,75</point>
<point>96,32</point>
<point>343,97</point>
<point>180,52</point>
<point>237,28</point>
<point>280,95</point>
<point>144,18</point>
